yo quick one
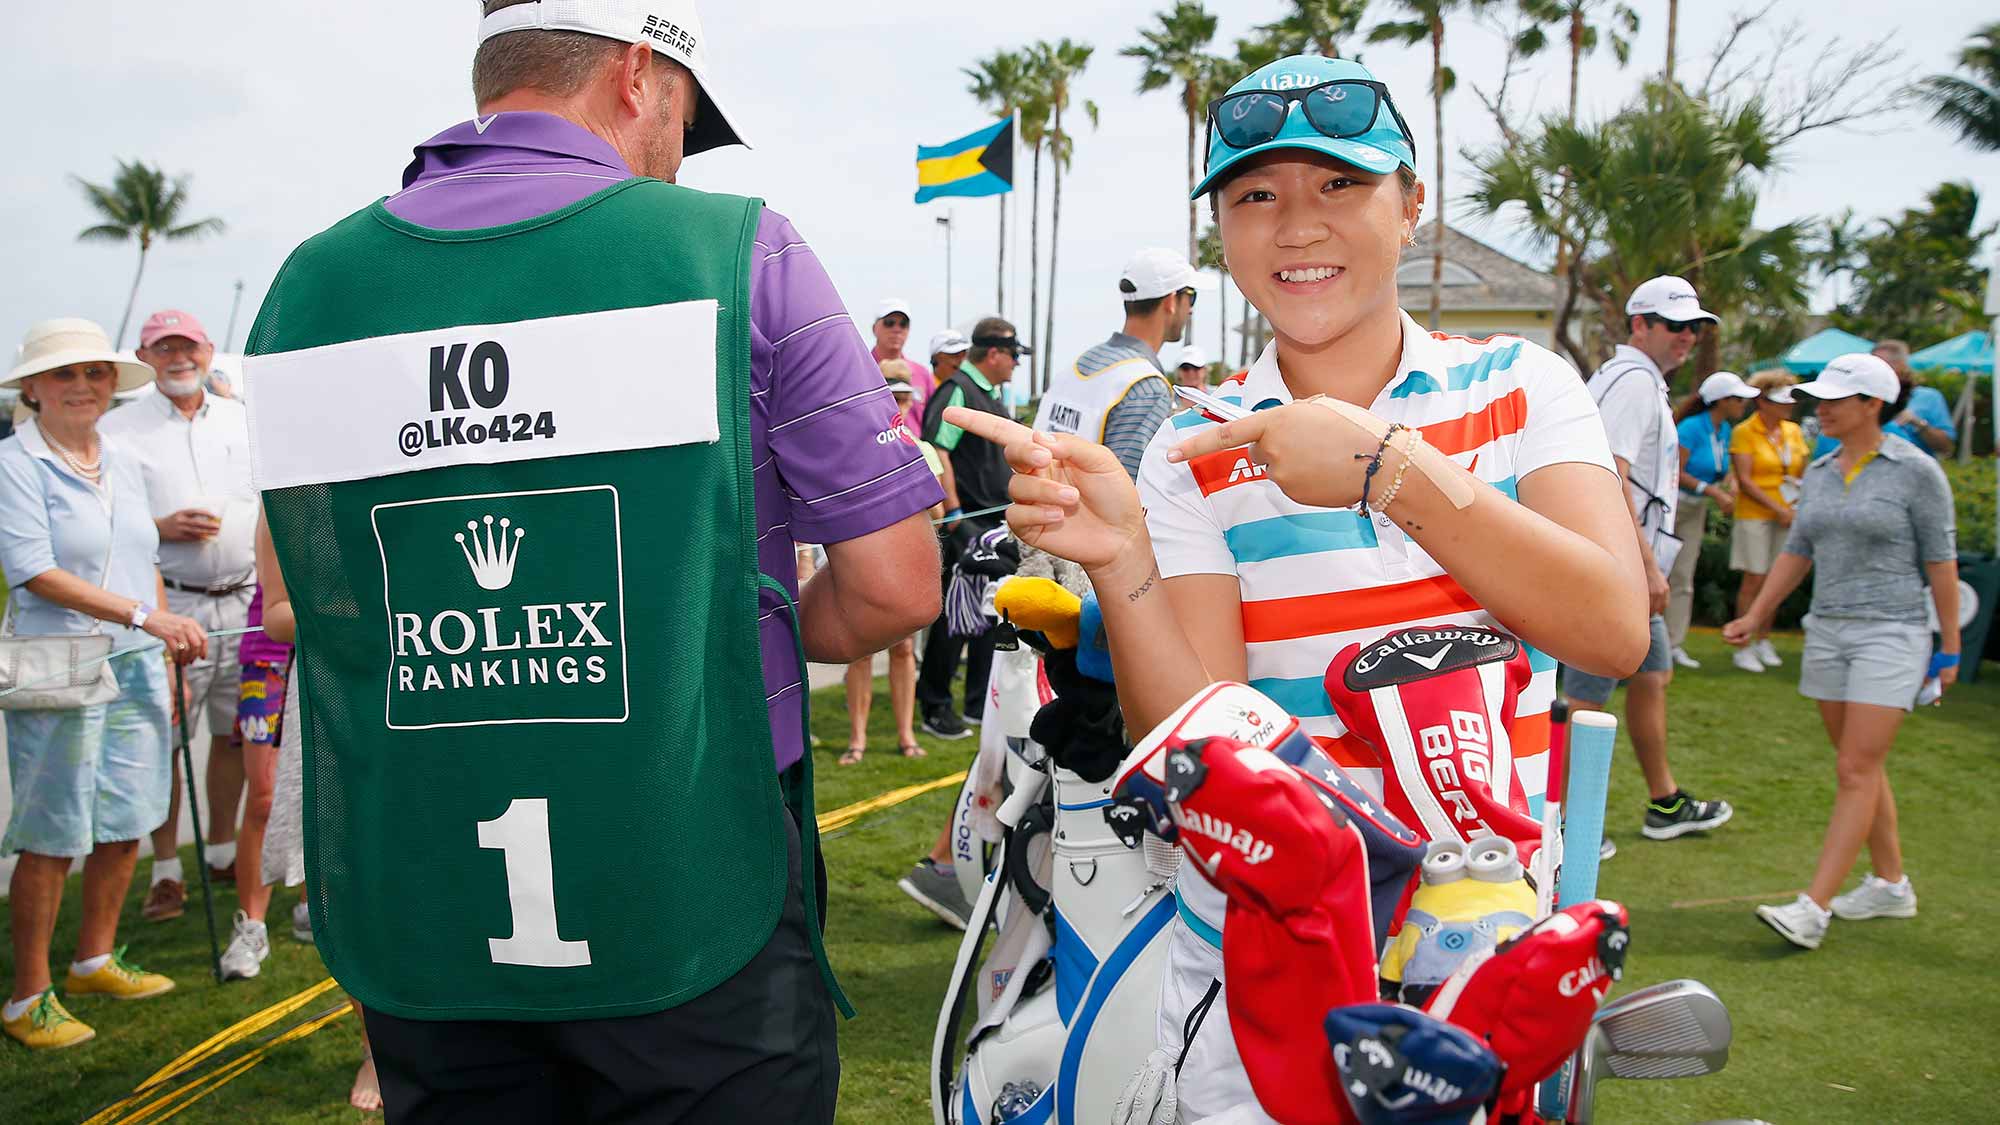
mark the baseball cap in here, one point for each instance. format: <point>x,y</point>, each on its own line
<point>1781,395</point>
<point>891,305</point>
<point>171,322</point>
<point>999,332</point>
<point>1155,273</point>
<point>1857,373</point>
<point>1670,298</point>
<point>1192,356</point>
<point>949,342</point>
<point>901,387</point>
<point>1379,150</point>
<point>670,27</point>
<point>1725,384</point>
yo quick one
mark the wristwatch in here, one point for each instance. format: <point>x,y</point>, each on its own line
<point>140,612</point>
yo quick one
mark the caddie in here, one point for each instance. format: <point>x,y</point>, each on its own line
<point>560,847</point>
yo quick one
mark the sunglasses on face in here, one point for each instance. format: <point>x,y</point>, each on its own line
<point>96,373</point>
<point>174,345</point>
<point>1342,108</point>
<point>1190,294</point>
<point>1677,327</point>
<point>896,321</point>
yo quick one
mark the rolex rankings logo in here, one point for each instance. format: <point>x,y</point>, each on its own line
<point>504,608</point>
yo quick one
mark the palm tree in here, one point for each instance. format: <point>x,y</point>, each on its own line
<point>1314,26</point>
<point>1839,249</point>
<point>1582,34</point>
<point>1177,51</point>
<point>1211,259</point>
<point>140,204</point>
<point>1970,105</point>
<point>1035,112</point>
<point>1427,22</point>
<point>1673,37</point>
<point>1000,82</point>
<point>1055,66</point>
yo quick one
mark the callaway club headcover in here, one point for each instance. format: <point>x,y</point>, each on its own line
<point>1394,849</point>
<point>1224,709</point>
<point>1436,703</point>
<point>1532,999</point>
<point>1297,940</point>
<point>1399,1066</point>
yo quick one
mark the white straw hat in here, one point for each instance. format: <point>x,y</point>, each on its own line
<point>67,340</point>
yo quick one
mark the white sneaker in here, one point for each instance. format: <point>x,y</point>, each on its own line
<point>1800,922</point>
<point>1606,849</point>
<point>302,922</point>
<point>1767,653</point>
<point>247,949</point>
<point>1876,898</point>
<point>1746,659</point>
<point>1682,658</point>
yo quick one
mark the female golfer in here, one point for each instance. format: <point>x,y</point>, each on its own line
<point>1385,476</point>
<point>1875,518</point>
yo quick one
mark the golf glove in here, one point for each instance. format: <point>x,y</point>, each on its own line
<point>1149,1097</point>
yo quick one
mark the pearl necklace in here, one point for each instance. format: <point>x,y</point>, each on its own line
<point>93,472</point>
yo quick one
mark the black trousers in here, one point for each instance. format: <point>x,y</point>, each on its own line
<point>760,1047</point>
<point>942,650</point>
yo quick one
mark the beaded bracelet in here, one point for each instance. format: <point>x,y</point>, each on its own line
<point>1402,470</point>
<point>1375,466</point>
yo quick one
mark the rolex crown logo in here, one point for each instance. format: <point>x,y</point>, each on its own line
<point>492,557</point>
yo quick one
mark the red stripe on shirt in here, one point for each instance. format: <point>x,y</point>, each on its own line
<point>1313,615</point>
<point>1502,416</point>
<point>1349,752</point>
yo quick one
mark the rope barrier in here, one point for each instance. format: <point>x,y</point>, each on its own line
<point>848,814</point>
<point>174,1101</point>
<point>974,515</point>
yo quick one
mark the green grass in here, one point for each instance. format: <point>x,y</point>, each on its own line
<point>1888,1022</point>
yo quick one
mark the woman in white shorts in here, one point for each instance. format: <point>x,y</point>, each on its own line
<point>1875,519</point>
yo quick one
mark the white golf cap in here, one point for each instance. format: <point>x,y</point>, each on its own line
<point>1670,298</point>
<point>900,387</point>
<point>1781,395</point>
<point>1857,373</point>
<point>892,305</point>
<point>670,27</point>
<point>1725,384</point>
<point>1192,356</point>
<point>1154,273</point>
<point>950,342</point>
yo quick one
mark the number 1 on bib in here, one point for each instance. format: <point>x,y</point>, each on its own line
<point>522,835</point>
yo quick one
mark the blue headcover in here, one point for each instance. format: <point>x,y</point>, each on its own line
<point>1093,651</point>
<point>1398,1065</point>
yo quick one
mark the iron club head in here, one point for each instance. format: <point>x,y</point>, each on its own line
<point>1678,1029</point>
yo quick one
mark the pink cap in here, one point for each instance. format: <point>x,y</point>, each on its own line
<point>171,322</point>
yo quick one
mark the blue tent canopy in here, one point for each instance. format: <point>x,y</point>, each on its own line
<point>1821,348</point>
<point>1972,351</point>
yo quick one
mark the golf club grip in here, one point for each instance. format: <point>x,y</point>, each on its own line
<point>1591,735</point>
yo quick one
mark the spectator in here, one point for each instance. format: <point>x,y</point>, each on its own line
<point>260,713</point>
<point>195,450</point>
<point>78,549</point>
<point>897,372</point>
<point>1922,417</point>
<point>1666,319</point>
<point>1117,395</point>
<point>1768,454</point>
<point>1191,369</point>
<point>948,350</point>
<point>979,468</point>
<point>1876,521</point>
<point>860,677</point>
<point>1705,419</point>
<point>284,849</point>
<point>892,335</point>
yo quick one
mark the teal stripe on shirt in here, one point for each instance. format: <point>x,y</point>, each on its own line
<point>1304,698</point>
<point>1460,376</point>
<point>1306,533</point>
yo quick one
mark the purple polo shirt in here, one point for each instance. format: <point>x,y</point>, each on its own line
<point>818,402</point>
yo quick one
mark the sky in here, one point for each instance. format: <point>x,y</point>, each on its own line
<point>289,115</point>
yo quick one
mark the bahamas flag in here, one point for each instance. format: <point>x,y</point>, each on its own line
<point>981,163</point>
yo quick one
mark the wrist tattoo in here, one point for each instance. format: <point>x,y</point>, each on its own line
<point>1145,587</point>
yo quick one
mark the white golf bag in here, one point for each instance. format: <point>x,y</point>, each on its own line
<point>1066,999</point>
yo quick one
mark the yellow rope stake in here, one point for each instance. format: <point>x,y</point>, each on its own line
<point>842,817</point>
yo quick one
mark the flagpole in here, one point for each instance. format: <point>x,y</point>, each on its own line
<point>944,221</point>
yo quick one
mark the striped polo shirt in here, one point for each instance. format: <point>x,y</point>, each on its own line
<point>1315,579</point>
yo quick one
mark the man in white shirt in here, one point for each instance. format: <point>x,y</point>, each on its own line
<point>1666,320</point>
<point>194,447</point>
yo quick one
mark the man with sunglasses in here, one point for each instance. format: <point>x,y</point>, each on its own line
<point>892,335</point>
<point>1666,321</point>
<point>1117,394</point>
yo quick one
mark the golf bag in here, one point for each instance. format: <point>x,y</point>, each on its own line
<point>1064,1000</point>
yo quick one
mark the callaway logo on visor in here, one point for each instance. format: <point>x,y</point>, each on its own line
<point>1414,654</point>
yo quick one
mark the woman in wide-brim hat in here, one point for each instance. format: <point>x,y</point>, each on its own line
<point>77,544</point>
<point>1387,476</point>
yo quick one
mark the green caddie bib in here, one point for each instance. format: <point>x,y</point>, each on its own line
<point>508,476</point>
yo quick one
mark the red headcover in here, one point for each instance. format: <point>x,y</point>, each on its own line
<point>1436,703</point>
<point>1533,998</point>
<point>1297,940</point>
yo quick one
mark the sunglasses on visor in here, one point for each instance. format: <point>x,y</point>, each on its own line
<point>1340,109</point>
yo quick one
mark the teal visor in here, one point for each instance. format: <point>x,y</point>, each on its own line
<point>1322,105</point>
